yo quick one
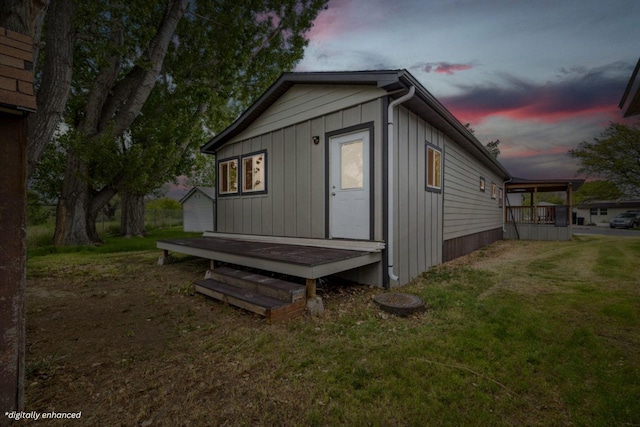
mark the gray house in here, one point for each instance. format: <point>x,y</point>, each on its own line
<point>198,209</point>
<point>362,174</point>
<point>366,156</point>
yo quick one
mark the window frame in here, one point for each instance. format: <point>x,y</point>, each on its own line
<point>429,168</point>
<point>593,211</point>
<point>494,190</point>
<point>243,159</point>
<point>220,164</point>
<point>604,211</point>
<point>500,198</point>
<point>483,184</point>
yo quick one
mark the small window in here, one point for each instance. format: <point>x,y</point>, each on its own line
<point>603,211</point>
<point>434,168</point>
<point>494,191</point>
<point>482,184</point>
<point>253,173</point>
<point>500,197</point>
<point>593,211</point>
<point>228,176</point>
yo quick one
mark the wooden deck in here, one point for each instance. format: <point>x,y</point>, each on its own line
<point>310,262</point>
<point>275,299</point>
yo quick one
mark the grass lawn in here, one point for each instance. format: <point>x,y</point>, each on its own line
<point>519,333</point>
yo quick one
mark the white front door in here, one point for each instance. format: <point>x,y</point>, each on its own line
<point>349,186</point>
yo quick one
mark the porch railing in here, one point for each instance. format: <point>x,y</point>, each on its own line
<point>531,214</point>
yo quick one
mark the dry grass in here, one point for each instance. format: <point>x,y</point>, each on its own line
<point>525,333</point>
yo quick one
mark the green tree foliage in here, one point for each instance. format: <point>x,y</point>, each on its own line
<point>145,94</point>
<point>596,190</point>
<point>37,211</point>
<point>203,171</point>
<point>614,156</point>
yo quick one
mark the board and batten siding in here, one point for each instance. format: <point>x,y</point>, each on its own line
<point>303,102</point>
<point>294,204</point>
<point>418,213</point>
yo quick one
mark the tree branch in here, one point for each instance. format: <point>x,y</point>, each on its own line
<point>57,71</point>
<point>130,94</point>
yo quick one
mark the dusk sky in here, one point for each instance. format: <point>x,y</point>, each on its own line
<point>541,76</point>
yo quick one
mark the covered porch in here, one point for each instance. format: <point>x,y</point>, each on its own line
<point>526,218</point>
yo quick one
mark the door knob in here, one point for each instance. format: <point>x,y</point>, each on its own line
<point>333,193</point>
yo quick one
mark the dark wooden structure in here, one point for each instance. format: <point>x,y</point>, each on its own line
<point>16,101</point>
<point>275,299</point>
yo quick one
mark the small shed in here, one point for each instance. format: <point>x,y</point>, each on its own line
<point>199,210</point>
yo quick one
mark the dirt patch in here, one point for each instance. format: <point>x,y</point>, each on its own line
<point>130,343</point>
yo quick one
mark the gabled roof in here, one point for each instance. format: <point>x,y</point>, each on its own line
<point>210,192</point>
<point>632,94</point>
<point>395,82</point>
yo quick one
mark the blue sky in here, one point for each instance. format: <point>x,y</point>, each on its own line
<point>541,76</point>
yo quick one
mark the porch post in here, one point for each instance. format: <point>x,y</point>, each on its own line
<point>311,288</point>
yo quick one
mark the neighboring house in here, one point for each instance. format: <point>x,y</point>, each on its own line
<point>364,156</point>
<point>600,212</point>
<point>198,209</point>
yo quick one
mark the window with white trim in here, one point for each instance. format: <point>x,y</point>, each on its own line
<point>434,168</point>
<point>228,177</point>
<point>254,172</point>
<point>494,190</point>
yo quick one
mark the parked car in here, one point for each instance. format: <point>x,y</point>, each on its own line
<point>629,219</point>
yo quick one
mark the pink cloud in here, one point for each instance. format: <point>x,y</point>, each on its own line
<point>441,67</point>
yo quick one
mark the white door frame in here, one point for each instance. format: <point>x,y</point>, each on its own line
<point>349,185</point>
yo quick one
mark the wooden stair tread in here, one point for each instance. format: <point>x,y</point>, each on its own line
<point>273,309</point>
<point>275,288</point>
<point>250,296</point>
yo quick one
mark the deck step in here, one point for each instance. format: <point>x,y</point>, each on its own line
<point>273,309</point>
<point>269,286</point>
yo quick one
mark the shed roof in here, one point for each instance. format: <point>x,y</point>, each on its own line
<point>395,82</point>
<point>210,192</point>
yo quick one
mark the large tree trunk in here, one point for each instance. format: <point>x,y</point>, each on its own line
<point>132,215</point>
<point>111,108</point>
<point>71,216</point>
